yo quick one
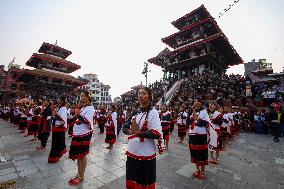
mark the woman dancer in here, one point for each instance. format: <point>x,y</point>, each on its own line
<point>59,126</point>
<point>111,127</point>
<point>45,125</point>
<point>81,138</point>
<point>141,151</point>
<point>197,138</point>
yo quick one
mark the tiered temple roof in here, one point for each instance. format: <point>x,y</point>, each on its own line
<point>50,74</point>
<point>51,67</point>
<point>47,48</point>
<point>199,40</point>
<point>52,62</point>
<point>195,15</point>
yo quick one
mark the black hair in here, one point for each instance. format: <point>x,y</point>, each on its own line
<point>39,103</point>
<point>63,99</point>
<point>49,102</point>
<point>150,96</point>
<point>150,93</point>
<point>199,99</point>
<point>88,95</point>
<point>113,107</point>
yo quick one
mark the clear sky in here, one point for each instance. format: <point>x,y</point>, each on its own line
<point>113,38</point>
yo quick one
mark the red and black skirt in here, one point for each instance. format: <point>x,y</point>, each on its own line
<point>58,147</point>
<point>80,146</point>
<point>140,174</point>
<point>23,123</point>
<point>166,128</point>
<point>12,118</point>
<point>224,132</point>
<point>110,135</point>
<point>172,124</point>
<point>182,130</point>
<point>17,119</point>
<point>34,125</point>
<point>198,147</point>
<point>6,116</point>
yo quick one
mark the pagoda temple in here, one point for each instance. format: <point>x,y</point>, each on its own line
<point>51,69</point>
<point>199,45</point>
<point>130,98</point>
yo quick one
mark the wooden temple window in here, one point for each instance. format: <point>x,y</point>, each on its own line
<point>57,81</point>
<point>13,86</point>
<point>14,76</point>
<point>42,78</point>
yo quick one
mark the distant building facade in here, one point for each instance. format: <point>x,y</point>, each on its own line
<point>117,100</point>
<point>100,91</point>
<point>251,66</point>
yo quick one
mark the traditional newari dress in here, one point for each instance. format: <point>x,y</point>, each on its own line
<point>197,138</point>
<point>102,121</point>
<point>29,118</point>
<point>6,113</point>
<point>17,116</point>
<point>237,122</point>
<point>34,124</point>
<point>12,115</point>
<point>166,118</point>
<point>82,133</point>
<point>1,112</point>
<point>59,126</point>
<point>172,123</point>
<point>141,151</point>
<point>96,116</point>
<point>181,123</point>
<point>225,126</point>
<point>111,128</point>
<point>14,118</point>
<point>215,130</point>
<point>72,119</point>
<point>45,126</point>
<point>120,121</point>
<point>23,121</point>
<point>231,123</point>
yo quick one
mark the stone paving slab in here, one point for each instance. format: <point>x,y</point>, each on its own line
<point>251,161</point>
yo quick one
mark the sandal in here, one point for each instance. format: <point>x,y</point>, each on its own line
<point>196,174</point>
<point>76,180</point>
<point>201,176</point>
<point>212,161</point>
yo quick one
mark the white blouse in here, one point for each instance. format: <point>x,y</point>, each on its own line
<point>180,120</point>
<point>82,129</point>
<point>147,147</point>
<point>203,115</point>
<point>62,113</point>
<point>114,120</point>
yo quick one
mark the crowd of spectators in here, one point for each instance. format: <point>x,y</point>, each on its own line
<point>46,93</point>
<point>210,86</point>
